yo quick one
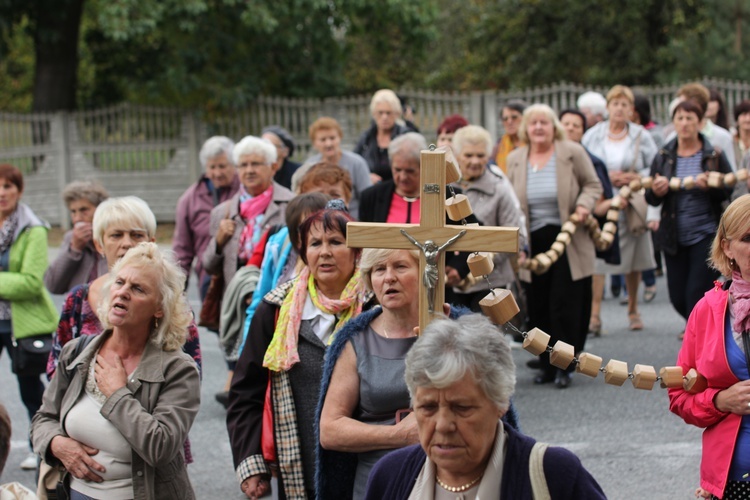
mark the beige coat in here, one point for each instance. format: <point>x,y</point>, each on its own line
<point>153,412</point>
<point>577,184</point>
<point>224,260</point>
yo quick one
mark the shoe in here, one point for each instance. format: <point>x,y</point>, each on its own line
<point>635,321</point>
<point>659,273</point>
<point>624,300</point>
<point>649,293</point>
<point>222,398</point>
<point>544,378</point>
<point>29,463</point>
<point>562,379</point>
<point>534,364</point>
<point>615,289</point>
<point>595,326</point>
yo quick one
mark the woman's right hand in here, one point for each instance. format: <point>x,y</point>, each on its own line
<point>407,428</point>
<point>256,486</point>
<point>660,185</point>
<point>735,399</point>
<point>225,232</point>
<point>76,457</point>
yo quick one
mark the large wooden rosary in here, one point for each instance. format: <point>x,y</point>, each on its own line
<point>603,239</point>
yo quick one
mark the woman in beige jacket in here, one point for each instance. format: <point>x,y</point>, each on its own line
<point>554,178</point>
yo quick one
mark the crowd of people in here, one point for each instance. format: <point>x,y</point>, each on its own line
<point>330,388</point>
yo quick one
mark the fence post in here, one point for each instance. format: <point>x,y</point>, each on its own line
<point>489,118</point>
<point>64,173</point>
<point>194,170</point>
<point>475,107</point>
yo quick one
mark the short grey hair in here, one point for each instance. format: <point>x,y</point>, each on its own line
<point>171,332</point>
<point>89,190</point>
<point>389,97</point>
<point>594,101</point>
<point>371,257</point>
<point>216,146</point>
<point>544,110</point>
<point>129,211</point>
<point>251,145</point>
<point>472,134</point>
<point>410,145</point>
<point>449,349</point>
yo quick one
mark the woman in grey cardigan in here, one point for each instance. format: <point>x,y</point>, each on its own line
<point>117,414</point>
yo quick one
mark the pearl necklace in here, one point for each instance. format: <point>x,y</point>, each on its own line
<point>619,135</point>
<point>458,489</point>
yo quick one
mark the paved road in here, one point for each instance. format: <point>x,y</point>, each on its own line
<point>627,438</point>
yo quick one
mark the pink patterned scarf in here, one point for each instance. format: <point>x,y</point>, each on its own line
<point>250,209</point>
<point>740,290</point>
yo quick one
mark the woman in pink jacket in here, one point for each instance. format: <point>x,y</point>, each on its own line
<point>717,345</point>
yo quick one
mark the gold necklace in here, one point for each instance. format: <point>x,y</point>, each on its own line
<point>458,489</point>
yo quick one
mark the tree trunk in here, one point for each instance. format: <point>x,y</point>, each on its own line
<point>56,47</point>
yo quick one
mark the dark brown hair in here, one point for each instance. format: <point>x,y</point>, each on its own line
<point>330,219</point>
<point>12,174</point>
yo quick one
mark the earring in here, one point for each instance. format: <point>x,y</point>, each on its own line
<point>733,263</point>
<point>156,323</point>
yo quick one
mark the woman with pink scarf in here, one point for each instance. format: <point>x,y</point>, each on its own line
<point>717,346</point>
<point>281,363</point>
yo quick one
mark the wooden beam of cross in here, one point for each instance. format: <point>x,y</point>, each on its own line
<point>432,228</point>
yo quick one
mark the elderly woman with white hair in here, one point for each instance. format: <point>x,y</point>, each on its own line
<point>554,179</point>
<point>118,411</point>
<point>217,184</point>
<point>461,376</point>
<point>385,108</point>
<point>494,202</point>
<point>238,224</point>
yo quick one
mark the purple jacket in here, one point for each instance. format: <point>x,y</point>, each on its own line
<point>192,220</point>
<point>394,475</point>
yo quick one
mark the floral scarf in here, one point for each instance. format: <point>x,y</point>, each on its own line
<point>740,290</point>
<point>282,351</point>
<point>251,208</point>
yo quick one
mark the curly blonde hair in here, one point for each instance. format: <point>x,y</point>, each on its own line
<point>171,332</point>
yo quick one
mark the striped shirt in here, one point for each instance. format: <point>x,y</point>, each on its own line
<point>695,220</point>
<point>541,193</point>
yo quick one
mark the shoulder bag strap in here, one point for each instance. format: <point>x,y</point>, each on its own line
<point>536,472</point>
<point>746,343</point>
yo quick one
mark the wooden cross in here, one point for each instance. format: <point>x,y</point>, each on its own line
<point>432,227</point>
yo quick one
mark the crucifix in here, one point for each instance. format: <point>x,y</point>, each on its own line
<point>432,236</point>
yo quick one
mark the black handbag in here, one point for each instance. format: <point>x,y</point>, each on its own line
<point>30,354</point>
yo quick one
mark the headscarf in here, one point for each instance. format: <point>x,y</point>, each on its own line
<point>250,209</point>
<point>282,351</point>
<point>740,290</point>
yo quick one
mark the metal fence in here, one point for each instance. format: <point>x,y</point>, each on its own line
<point>152,152</point>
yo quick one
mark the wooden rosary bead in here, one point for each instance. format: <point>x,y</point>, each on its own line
<point>616,372</point>
<point>532,265</point>
<point>675,183</point>
<point>552,255</point>
<point>635,185</point>
<point>458,207</point>
<point>644,377</point>
<point>500,306</point>
<point>589,364</point>
<point>558,247</point>
<point>647,181</point>
<point>607,237</point>
<point>742,174</point>
<point>452,172</point>
<point>613,215</point>
<point>625,191</point>
<point>592,223</point>
<point>569,227</point>
<point>543,263</point>
<point>480,264</point>
<point>694,382</point>
<point>562,355</point>
<point>689,182</point>
<point>671,377</point>
<point>616,202</point>
<point>536,341</point>
<point>715,179</point>
<point>609,227</point>
<point>730,179</point>
<point>564,238</point>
